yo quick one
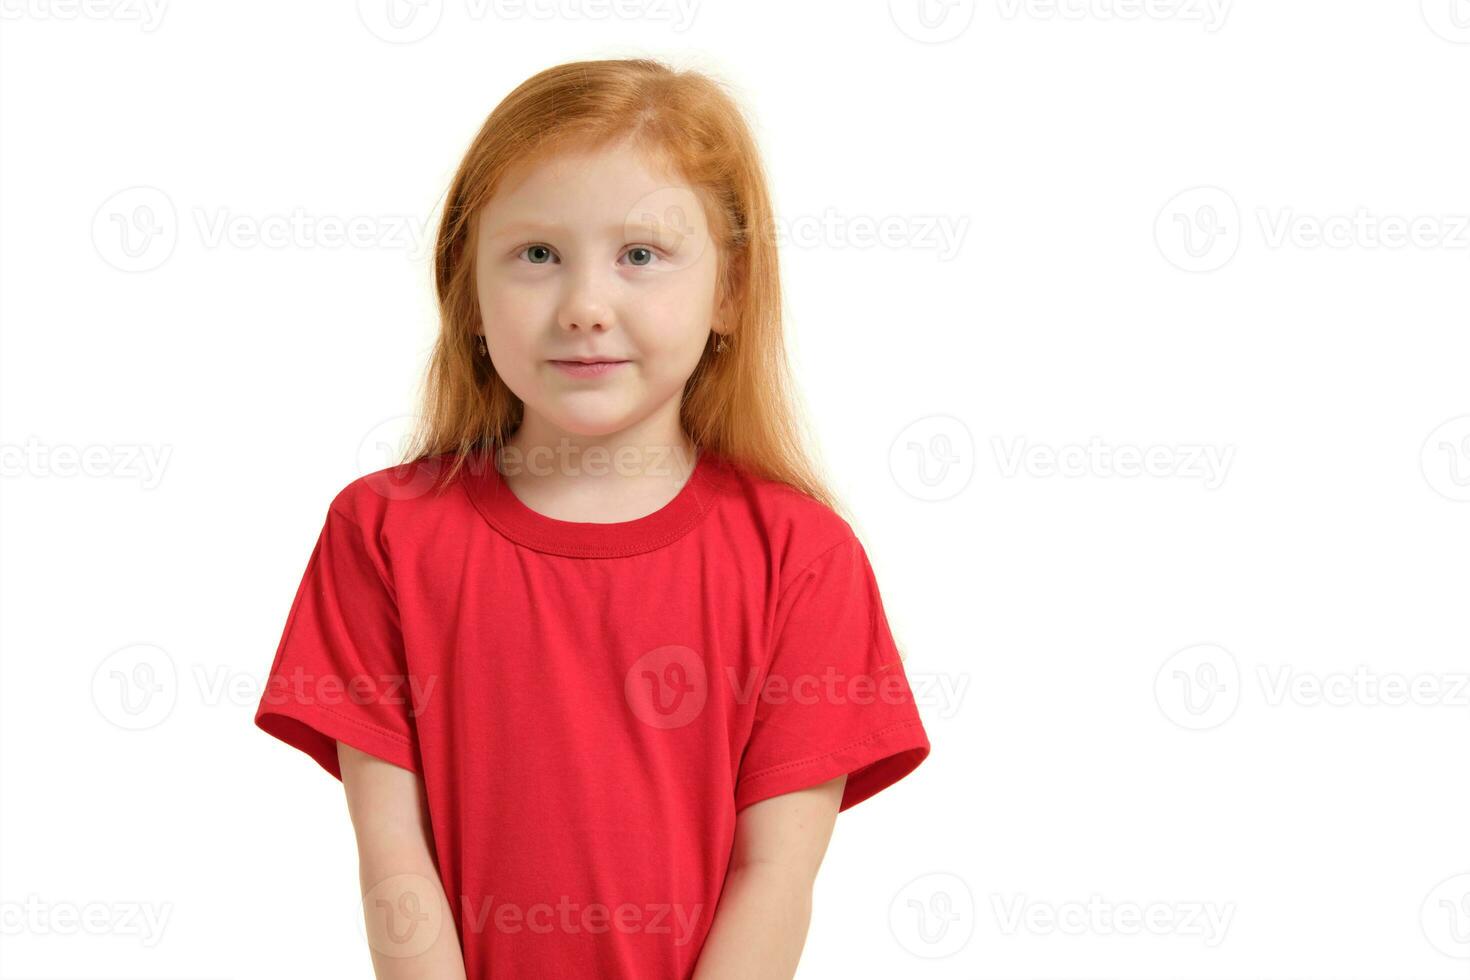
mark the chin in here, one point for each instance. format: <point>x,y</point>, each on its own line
<point>589,423</point>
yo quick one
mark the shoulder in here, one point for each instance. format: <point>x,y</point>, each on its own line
<point>797,528</point>
<point>394,493</point>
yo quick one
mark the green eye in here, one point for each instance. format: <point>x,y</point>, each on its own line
<point>640,255</point>
<point>539,254</point>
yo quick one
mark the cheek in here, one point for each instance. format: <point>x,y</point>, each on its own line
<point>510,314</point>
<point>677,313</point>
<point>669,328</point>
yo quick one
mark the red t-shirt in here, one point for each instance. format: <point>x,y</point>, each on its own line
<point>589,705</point>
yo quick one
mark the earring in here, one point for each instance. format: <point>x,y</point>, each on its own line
<point>720,344</point>
<point>480,345</point>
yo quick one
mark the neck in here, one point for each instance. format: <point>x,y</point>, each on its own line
<point>615,477</point>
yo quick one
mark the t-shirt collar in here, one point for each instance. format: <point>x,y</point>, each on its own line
<point>505,512</point>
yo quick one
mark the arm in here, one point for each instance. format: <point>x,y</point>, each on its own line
<point>765,908</point>
<point>409,926</point>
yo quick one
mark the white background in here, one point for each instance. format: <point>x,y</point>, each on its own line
<point>1228,698</point>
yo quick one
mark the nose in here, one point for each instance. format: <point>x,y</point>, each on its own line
<point>585,306</point>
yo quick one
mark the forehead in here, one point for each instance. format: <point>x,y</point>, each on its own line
<point>597,191</point>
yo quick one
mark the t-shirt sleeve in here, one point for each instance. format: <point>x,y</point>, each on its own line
<point>339,673</point>
<point>836,699</point>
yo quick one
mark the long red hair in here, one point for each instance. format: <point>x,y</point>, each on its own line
<point>740,403</point>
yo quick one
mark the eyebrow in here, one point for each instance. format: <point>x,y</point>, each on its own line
<point>520,228</point>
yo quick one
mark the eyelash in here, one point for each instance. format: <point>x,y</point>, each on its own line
<point>656,253</point>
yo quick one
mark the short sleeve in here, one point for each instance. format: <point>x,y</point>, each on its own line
<point>836,699</point>
<point>339,673</point>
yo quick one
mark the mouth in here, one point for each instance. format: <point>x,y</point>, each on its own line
<point>588,368</point>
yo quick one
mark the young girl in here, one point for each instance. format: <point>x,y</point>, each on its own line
<point>599,663</point>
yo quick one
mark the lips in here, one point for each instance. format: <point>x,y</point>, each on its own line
<point>587,369</point>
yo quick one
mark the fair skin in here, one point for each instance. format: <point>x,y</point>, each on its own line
<point>586,255</point>
<point>765,908</point>
<point>397,871</point>
<point>597,255</point>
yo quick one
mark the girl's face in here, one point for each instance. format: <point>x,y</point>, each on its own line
<point>596,256</point>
